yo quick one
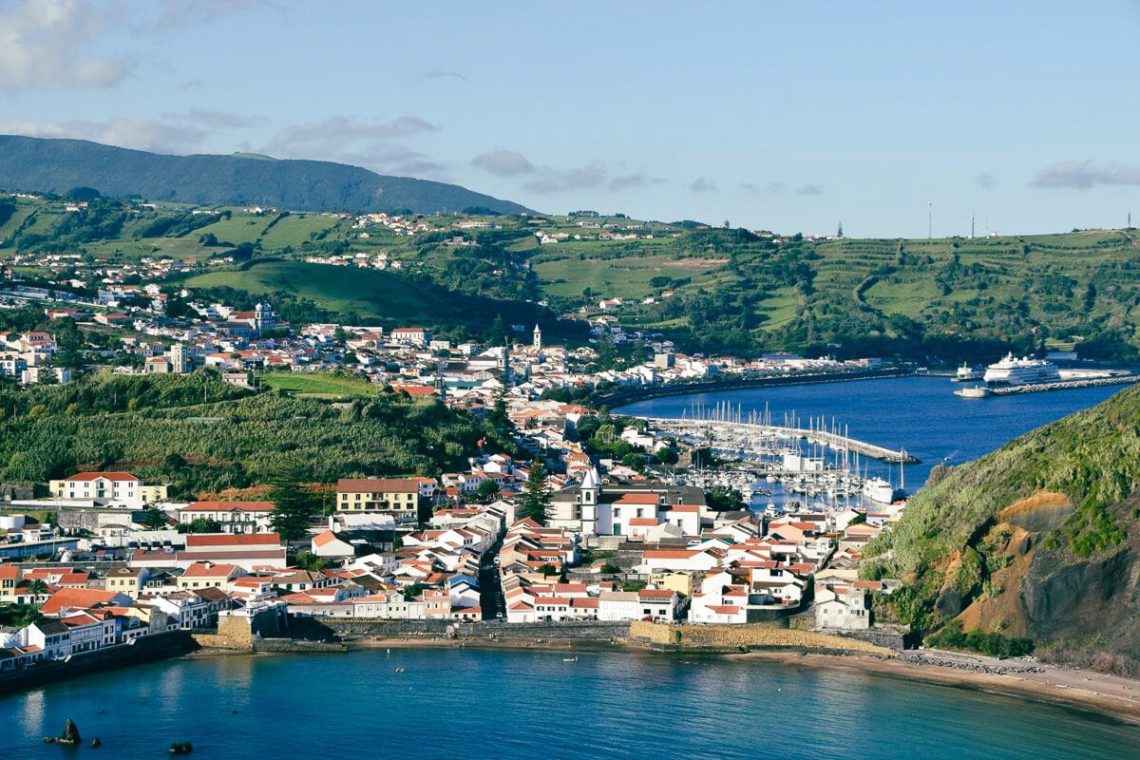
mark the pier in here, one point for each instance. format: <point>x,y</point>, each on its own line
<point>756,434</point>
<point>1063,385</point>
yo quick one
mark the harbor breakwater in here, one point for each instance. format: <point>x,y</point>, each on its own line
<point>645,392</point>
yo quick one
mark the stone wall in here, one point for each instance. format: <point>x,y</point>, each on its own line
<point>722,637</point>
<point>218,641</point>
<point>583,631</point>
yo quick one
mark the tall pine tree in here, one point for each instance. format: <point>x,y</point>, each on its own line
<point>535,500</point>
<point>294,508</point>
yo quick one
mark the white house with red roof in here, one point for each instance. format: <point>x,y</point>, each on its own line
<point>116,488</point>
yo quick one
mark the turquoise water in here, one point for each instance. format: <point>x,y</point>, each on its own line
<point>920,414</point>
<point>495,704</point>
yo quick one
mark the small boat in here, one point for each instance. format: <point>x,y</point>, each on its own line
<point>570,659</point>
<point>400,670</point>
<point>181,748</point>
<point>977,391</point>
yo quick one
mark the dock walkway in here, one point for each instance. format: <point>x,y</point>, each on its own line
<point>759,433</point>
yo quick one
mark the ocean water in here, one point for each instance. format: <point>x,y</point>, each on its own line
<point>920,414</point>
<point>499,704</point>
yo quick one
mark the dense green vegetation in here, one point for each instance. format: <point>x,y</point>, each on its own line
<point>319,384</point>
<point>28,163</point>
<point>158,428</point>
<point>989,643</point>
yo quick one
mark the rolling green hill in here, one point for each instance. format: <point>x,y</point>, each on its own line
<point>370,296</point>
<point>40,165</point>
<point>707,289</point>
<point>1038,540</point>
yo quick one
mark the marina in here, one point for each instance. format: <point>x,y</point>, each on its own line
<point>785,467</point>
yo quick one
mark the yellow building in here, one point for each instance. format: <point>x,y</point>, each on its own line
<point>399,496</point>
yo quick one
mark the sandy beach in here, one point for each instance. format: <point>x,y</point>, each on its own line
<point>1082,689</point>
<point>1109,695</point>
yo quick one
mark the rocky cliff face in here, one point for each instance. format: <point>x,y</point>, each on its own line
<point>1038,540</point>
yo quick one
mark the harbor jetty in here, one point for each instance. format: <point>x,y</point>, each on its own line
<point>756,432</point>
<point>1063,385</point>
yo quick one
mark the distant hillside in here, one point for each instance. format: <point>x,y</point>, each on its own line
<point>1038,540</point>
<point>56,166</point>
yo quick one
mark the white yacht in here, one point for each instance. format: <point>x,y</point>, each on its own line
<point>1023,371</point>
<point>966,373</point>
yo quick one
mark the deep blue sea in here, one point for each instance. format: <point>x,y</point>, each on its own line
<point>920,414</point>
<point>496,704</point>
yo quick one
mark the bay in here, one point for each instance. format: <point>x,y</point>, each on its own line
<point>514,704</point>
<point>918,413</point>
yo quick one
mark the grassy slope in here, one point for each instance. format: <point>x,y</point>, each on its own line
<point>997,287</point>
<point>1092,456</point>
<point>344,289</point>
<point>320,385</point>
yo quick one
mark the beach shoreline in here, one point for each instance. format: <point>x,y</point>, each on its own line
<point>1111,697</point>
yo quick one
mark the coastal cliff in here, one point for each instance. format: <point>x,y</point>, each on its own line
<point>1038,541</point>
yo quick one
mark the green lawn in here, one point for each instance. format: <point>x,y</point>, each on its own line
<point>319,384</point>
<point>237,229</point>
<point>294,230</point>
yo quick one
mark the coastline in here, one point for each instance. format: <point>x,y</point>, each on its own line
<point>1110,697</point>
<point>1088,691</point>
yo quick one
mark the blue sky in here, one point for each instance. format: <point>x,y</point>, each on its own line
<point>780,115</point>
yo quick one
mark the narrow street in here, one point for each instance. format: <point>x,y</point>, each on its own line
<point>490,596</point>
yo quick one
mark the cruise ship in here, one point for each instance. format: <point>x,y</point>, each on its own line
<point>1023,371</point>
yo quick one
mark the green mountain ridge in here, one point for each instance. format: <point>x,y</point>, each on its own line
<point>1039,539</point>
<point>34,164</point>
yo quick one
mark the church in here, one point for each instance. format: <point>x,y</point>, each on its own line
<point>637,511</point>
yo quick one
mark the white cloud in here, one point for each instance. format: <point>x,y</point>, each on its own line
<point>177,13</point>
<point>503,163</point>
<point>46,43</point>
<point>141,134</point>
<point>631,181</point>
<point>355,141</point>
<point>1085,175</point>
<point>592,174</point>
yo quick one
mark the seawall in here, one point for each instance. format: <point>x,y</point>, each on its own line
<point>145,649</point>
<point>483,631</point>
<point>724,638</point>
<point>642,393</point>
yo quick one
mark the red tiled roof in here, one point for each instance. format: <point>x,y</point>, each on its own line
<point>638,498</point>
<point>662,594</point>
<point>377,485</point>
<point>77,598</point>
<point>119,476</point>
<point>227,506</point>
<point>232,539</point>
<point>208,570</point>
